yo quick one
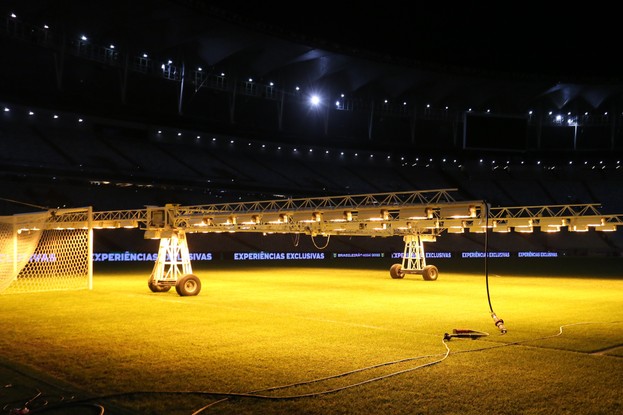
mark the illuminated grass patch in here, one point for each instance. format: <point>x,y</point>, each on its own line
<point>254,329</point>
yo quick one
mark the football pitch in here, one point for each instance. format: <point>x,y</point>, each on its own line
<point>318,340</point>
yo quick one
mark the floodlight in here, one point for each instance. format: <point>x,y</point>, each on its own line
<point>151,234</point>
<point>225,219</point>
<point>552,224</point>
<point>554,221</point>
<point>607,227</point>
<point>524,229</point>
<point>306,217</point>
<point>275,218</point>
<point>416,213</point>
<point>477,228</point>
<point>587,221</point>
<point>458,211</point>
<point>314,100</point>
<point>373,215</point>
<point>519,222</point>
<point>128,224</point>
<point>338,216</point>
<point>198,221</point>
<point>454,225</point>
<point>248,219</point>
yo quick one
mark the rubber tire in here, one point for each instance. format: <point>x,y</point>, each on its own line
<point>188,285</point>
<point>158,288</point>
<point>430,273</point>
<point>396,271</point>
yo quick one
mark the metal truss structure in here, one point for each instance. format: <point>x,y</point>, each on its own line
<point>417,216</point>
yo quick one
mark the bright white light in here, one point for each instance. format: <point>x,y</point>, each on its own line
<point>13,15</point>
<point>315,100</point>
<point>83,37</point>
<point>6,109</point>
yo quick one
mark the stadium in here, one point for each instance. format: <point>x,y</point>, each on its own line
<point>213,208</point>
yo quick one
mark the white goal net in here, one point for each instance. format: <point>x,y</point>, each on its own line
<point>46,251</point>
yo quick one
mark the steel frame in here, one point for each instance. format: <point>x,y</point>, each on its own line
<point>374,215</point>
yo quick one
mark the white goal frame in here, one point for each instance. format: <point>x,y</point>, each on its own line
<point>46,251</point>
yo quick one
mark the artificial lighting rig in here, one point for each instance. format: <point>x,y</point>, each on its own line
<point>417,216</point>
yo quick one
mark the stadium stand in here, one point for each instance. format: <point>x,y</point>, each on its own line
<point>97,131</point>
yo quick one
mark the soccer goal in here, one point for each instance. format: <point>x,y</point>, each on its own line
<point>46,251</point>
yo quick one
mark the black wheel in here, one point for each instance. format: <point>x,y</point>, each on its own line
<point>396,271</point>
<point>155,288</point>
<point>430,273</point>
<point>188,285</point>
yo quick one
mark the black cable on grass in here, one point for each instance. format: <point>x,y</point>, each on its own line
<point>499,323</point>
<point>254,394</point>
<point>41,403</point>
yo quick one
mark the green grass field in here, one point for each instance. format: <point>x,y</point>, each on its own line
<point>340,340</point>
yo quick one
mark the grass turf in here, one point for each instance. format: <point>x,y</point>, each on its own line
<point>250,329</point>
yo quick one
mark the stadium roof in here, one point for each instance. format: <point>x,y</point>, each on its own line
<point>506,58</point>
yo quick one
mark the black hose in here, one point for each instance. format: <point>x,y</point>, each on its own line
<point>487,253</point>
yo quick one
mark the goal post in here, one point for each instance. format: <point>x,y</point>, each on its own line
<point>46,251</point>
